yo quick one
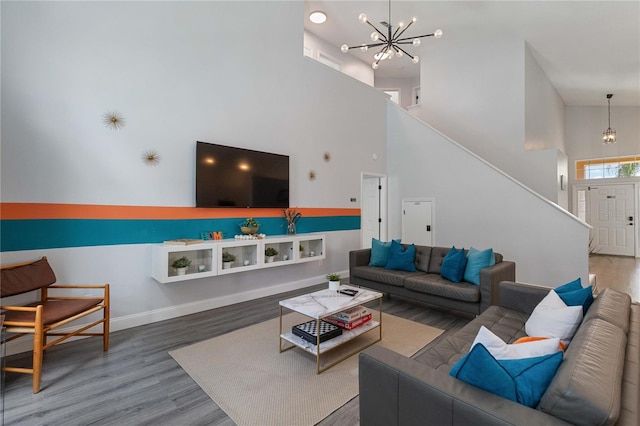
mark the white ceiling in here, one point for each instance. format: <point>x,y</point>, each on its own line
<point>586,48</point>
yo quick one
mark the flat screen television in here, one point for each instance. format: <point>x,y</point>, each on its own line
<point>227,176</point>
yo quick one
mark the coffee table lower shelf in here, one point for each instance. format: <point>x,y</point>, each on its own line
<point>346,336</point>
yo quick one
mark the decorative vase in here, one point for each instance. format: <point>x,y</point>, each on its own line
<point>334,285</point>
<point>269,259</point>
<point>181,271</point>
<point>291,228</point>
<point>226,265</point>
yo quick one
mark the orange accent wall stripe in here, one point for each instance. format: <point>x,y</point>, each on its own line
<point>21,211</point>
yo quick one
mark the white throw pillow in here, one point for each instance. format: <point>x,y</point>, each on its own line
<point>553,318</point>
<point>501,350</point>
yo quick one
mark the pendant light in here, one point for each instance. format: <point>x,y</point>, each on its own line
<point>609,135</point>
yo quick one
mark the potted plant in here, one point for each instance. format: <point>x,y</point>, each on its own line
<point>181,265</point>
<point>301,250</point>
<point>250,226</point>
<point>334,281</point>
<point>270,253</point>
<point>227,259</point>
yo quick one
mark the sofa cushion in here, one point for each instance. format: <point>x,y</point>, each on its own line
<point>437,256</point>
<point>607,306</point>
<point>401,258</point>
<point>582,297</point>
<point>477,260</point>
<point>438,286</point>
<point>385,276</point>
<point>379,252</point>
<point>499,349</point>
<point>521,380</point>
<point>570,286</point>
<point>453,265</point>
<point>423,256</point>
<point>443,353</point>
<point>553,318</point>
<point>587,386</point>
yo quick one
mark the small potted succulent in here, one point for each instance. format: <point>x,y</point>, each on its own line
<point>334,281</point>
<point>227,259</point>
<point>270,253</point>
<point>250,226</point>
<point>181,264</point>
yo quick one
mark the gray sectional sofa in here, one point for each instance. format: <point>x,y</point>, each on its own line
<point>426,284</point>
<point>597,383</point>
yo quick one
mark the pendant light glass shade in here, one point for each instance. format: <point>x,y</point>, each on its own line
<point>609,135</point>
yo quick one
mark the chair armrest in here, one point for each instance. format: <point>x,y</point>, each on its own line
<point>78,286</point>
<point>359,257</point>
<point>396,390</point>
<point>521,297</point>
<point>490,278</point>
<point>19,308</point>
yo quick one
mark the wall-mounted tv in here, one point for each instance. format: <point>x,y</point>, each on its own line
<point>227,176</point>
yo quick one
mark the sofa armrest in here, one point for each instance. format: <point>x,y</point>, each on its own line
<point>490,278</point>
<point>521,297</point>
<point>359,257</point>
<point>396,390</point>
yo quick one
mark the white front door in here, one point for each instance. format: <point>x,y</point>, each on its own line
<point>611,214</point>
<point>417,222</point>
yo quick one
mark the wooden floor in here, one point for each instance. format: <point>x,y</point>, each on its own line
<point>618,272</point>
<point>137,383</point>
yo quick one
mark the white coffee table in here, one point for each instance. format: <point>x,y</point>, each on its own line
<point>321,304</point>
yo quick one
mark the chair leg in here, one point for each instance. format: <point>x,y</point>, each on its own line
<point>38,343</point>
<point>107,317</point>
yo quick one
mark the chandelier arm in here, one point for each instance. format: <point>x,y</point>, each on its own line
<point>384,37</point>
<point>404,51</point>
<point>411,38</point>
<point>405,29</point>
<point>366,45</point>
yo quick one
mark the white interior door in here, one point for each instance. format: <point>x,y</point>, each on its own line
<point>611,213</point>
<point>373,208</point>
<point>417,221</point>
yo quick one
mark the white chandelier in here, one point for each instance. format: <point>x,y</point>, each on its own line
<point>609,135</point>
<point>391,41</point>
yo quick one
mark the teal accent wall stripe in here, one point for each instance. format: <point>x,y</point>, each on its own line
<point>16,235</point>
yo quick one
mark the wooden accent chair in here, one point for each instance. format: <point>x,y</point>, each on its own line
<point>40,318</point>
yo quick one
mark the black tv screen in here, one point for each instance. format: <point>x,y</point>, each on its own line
<point>234,177</point>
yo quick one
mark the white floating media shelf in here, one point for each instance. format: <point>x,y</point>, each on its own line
<point>206,257</point>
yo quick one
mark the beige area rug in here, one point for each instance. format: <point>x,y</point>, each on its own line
<point>246,375</point>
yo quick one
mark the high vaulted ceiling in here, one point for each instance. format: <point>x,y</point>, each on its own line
<point>586,48</point>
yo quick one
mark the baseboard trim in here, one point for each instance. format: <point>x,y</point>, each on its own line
<point>135,320</point>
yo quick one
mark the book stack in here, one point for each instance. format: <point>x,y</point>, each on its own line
<point>351,318</point>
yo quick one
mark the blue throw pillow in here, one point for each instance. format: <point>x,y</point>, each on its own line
<point>521,380</point>
<point>477,260</point>
<point>401,259</point>
<point>453,265</point>
<point>379,252</point>
<point>571,286</point>
<point>583,297</point>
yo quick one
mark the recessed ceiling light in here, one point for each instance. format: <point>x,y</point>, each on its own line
<point>317,17</point>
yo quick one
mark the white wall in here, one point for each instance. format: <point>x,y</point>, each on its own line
<point>584,127</point>
<point>476,205</point>
<point>405,85</point>
<point>176,78</point>
<point>349,64</point>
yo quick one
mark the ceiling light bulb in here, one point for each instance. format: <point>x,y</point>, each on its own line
<point>362,18</point>
<point>390,54</point>
<point>415,59</point>
<point>374,65</point>
<point>399,53</point>
<point>416,42</point>
<point>317,17</point>
<point>438,33</point>
<point>375,36</point>
<point>400,24</point>
<point>414,19</point>
<point>344,48</point>
<point>364,48</point>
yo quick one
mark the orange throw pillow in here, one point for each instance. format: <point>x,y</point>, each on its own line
<point>525,339</point>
